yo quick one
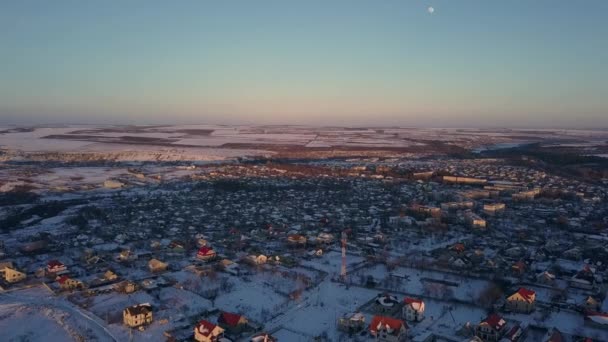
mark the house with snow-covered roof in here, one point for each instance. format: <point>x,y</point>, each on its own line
<point>351,322</point>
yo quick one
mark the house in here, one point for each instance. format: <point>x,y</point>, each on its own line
<point>206,253</point>
<point>11,275</point>
<point>388,329</point>
<point>137,315</point>
<point>513,335</point>
<point>386,303</point>
<point>257,259</point>
<point>156,265</point>
<point>351,322</point>
<point>315,253</point>
<point>177,246</point>
<point>591,304</point>
<point>519,268</point>
<point>461,262</point>
<point>263,337</point>
<point>554,335</point>
<point>584,279</point>
<point>325,238</point>
<point>125,287</point>
<point>598,319</point>
<point>546,278</point>
<point>56,266</point>
<point>458,247</point>
<point>205,331</point>
<point>475,220</point>
<point>67,283</point>
<point>127,255</point>
<point>234,323</point>
<point>494,208</point>
<point>491,329</point>
<point>113,184</point>
<point>296,239</point>
<point>521,301</point>
<point>413,309</point>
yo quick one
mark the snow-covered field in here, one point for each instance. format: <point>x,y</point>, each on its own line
<point>206,142</point>
<point>54,318</point>
<point>427,283</point>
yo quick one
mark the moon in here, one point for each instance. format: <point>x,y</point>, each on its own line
<point>431,9</point>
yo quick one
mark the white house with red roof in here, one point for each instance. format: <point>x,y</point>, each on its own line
<point>388,329</point>
<point>413,309</point>
<point>492,328</point>
<point>56,266</point>
<point>206,253</point>
<point>205,331</point>
<point>521,301</point>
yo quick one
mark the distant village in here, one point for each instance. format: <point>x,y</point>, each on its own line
<point>362,249</point>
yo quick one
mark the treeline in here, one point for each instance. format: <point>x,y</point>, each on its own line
<point>43,211</point>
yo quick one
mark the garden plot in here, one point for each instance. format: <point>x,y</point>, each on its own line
<point>425,283</point>
<point>109,306</point>
<point>332,261</point>
<point>319,309</point>
<point>47,322</point>
<point>256,299</point>
<point>566,321</point>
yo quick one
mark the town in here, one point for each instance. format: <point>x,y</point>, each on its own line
<point>304,171</point>
<point>359,249</point>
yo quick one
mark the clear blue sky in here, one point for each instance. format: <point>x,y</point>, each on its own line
<point>515,63</point>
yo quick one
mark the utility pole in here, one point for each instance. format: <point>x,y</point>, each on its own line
<point>343,269</point>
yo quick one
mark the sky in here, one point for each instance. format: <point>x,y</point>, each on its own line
<point>469,63</point>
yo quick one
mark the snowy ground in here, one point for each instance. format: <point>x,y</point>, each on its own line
<point>421,282</point>
<point>48,314</point>
<point>91,138</point>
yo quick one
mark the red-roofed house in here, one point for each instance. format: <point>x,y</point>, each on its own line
<point>55,266</point>
<point>206,331</point>
<point>296,239</point>
<point>68,283</point>
<point>232,322</point>
<point>492,328</point>
<point>388,329</point>
<point>522,301</point>
<point>413,309</point>
<point>206,253</point>
<point>597,318</point>
<point>554,336</point>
